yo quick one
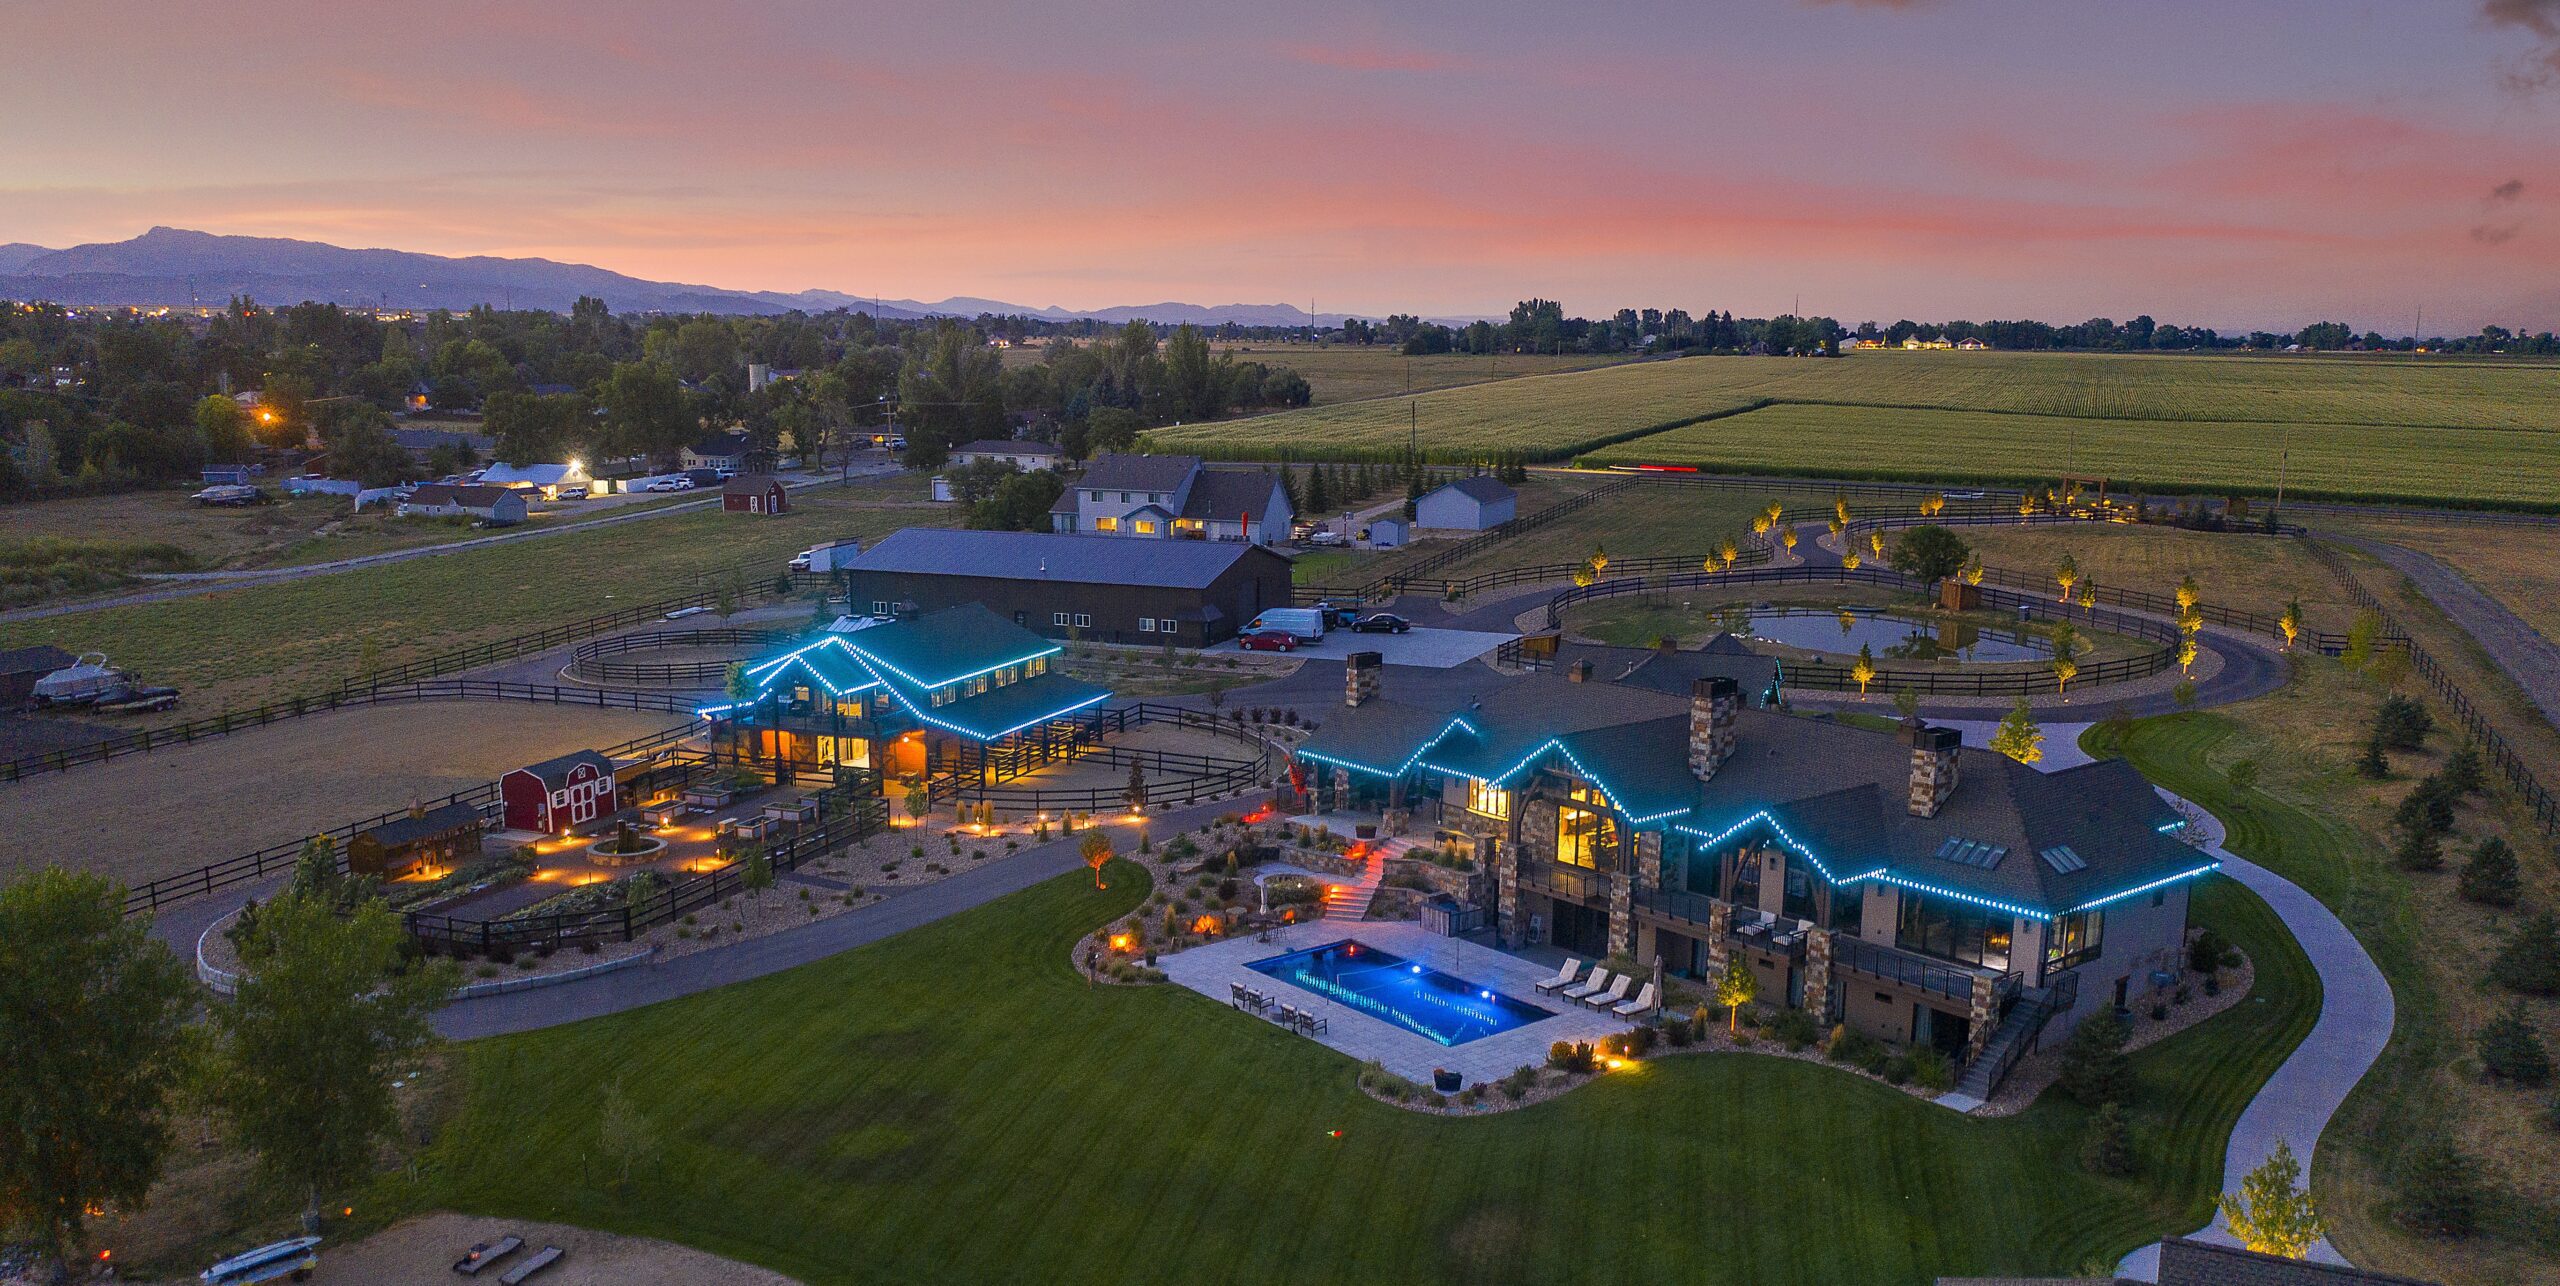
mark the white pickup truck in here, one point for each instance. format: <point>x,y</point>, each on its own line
<point>826,556</point>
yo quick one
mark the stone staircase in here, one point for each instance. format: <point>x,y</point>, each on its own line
<point>2015,1036</point>
<point>1350,902</point>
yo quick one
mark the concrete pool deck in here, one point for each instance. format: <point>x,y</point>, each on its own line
<point>1212,969</point>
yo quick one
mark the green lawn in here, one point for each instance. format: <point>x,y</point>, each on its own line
<point>954,1105</point>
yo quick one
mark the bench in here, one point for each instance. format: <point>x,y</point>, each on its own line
<point>542,1259</point>
<point>487,1253</point>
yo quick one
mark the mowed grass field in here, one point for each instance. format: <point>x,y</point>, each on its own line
<point>2466,431</point>
<point>1350,372</point>
<point>242,646</point>
<point>955,1105</point>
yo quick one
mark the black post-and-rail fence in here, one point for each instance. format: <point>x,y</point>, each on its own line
<point>1932,682</point>
<point>2494,746</point>
<point>605,660</point>
<point>362,690</point>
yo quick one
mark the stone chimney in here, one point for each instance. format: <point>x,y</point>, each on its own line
<point>1714,706</point>
<point>1578,672</point>
<point>1360,678</point>
<point>1933,765</point>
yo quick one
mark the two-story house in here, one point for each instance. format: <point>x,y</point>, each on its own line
<point>1173,497</point>
<point>1905,884</point>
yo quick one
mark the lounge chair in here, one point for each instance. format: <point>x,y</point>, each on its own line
<point>1563,978</point>
<point>1617,991</point>
<point>1599,982</point>
<point>542,1259</point>
<point>1642,1004</point>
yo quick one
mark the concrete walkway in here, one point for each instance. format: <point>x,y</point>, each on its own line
<point>2295,1104</point>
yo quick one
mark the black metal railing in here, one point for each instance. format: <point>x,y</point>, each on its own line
<point>1904,968</point>
<point>1567,881</point>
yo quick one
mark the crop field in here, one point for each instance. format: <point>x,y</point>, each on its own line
<point>2485,432</point>
<point>246,645</point>
<point>2346,461</point>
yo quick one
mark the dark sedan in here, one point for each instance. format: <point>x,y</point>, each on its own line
<point>1381,623</point>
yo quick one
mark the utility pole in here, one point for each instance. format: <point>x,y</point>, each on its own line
<point>1412,428</point>
<point>2284,456</point>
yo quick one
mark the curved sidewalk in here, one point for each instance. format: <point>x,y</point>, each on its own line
<point>2295,1104</point>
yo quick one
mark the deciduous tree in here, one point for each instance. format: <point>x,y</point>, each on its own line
<point>2272,1213</point>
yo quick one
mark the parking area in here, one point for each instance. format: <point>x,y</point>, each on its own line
<point>1427,648</point>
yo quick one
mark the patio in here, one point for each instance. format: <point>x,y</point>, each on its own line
<point>1212,969</point>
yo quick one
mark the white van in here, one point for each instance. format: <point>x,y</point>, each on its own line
<point>1306,623</point>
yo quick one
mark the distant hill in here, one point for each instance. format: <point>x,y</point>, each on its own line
<point>175,266</point>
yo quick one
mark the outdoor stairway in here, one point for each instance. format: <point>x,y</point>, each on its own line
<point>1350,902</point>
<point>2007,1045</point>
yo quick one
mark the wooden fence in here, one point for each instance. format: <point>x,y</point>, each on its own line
<point>604,659</point>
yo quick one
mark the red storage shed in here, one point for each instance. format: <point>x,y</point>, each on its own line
<point>754,493</point>
<point>557,794</point>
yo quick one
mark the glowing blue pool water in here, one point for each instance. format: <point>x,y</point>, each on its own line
<point>1395,990</point>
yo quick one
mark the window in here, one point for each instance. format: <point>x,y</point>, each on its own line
<point>1106,524</point>
<point>1084,620</point>
<point>1487,800</point>
<point>1584,834</point>
<point>1953,930</point>
<point>1057,618</point>
<point>1096,495</point>
<point>1145,526</point>
<point>879,607</point>
<point>1146,625</point>
<point>1037,665</point>
<point>2073,939</point>
<point>1124,497</point>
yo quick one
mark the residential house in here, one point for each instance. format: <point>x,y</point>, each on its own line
<point>1097,588</point>
<point>1021,454</point>
<point>958,694</point>
<point>1905,884</point>
<point>729,451</point>
<point>496,506</point>
<point>754,493</point>
<point>1479,503</point>
<point>1971,344</point>
<point>1173,496</point>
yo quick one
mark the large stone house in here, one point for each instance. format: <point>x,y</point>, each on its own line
<point>1905,884</point>
<point>1176,497</point>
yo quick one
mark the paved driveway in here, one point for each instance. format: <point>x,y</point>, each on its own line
<point>1423,646</point>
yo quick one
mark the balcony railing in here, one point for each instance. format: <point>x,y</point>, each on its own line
<point>1775,935</point>
<point>1909,969</point>
<point>1569,881</point>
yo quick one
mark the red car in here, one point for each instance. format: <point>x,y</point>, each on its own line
<point>1269,641</point>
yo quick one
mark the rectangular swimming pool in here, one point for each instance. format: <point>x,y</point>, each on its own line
<point>1395,990</point>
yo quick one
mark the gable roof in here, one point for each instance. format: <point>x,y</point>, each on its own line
<point>750,484</point>
<point>1230,493</point>
<point>914,657</point>
<point>42,658</point>
<point>1137,472</point>
<point>1005,446</point>
<point>721,445</point>
<point>435,821</point>
<point>537,475</point>
<point>473,496</point>
<point>1052,556</point>
<point>557,769</point>
<point>1482,488</point>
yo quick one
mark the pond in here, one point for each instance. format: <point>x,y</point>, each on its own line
<point>1893,635</point>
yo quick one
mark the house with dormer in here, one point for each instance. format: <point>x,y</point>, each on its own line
<point>1905,884</point>
<point>1173,497</point>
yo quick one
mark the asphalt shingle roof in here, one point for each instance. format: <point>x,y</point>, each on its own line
<point>1481,488</point>
<point>1065,558</point>
<point>1229,493</point>
<point>1137,472</point>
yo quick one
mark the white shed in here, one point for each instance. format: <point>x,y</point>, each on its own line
<point>1469,504</point>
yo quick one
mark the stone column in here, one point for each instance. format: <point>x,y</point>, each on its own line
<point>1622,918</point>
<point>1719,922</point>
<point>1978,1032</point>
<point>1817,976</point>
<point>1648,851</point>
<point>1506,911</point>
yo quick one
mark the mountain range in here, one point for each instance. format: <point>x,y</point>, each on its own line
<point>177,267</point>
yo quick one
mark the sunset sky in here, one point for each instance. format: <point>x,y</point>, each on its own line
<point>2231,164</point>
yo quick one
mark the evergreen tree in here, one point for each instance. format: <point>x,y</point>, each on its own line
<point>2438,1190</point>
<point>2402,723</point>
<point>2373,763</point>
<point>2018,737</point>
<point>2490,876</point>
<point>2530,960</point>
<point>2418,850</point>
<point>1319,494</point>
<point>2462,771</point>
<point>1289,488</point>
<point>2106,1146</point>
<point>2510,1050</point>
<point>2429,807</point>
<point>2094,1068</point>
